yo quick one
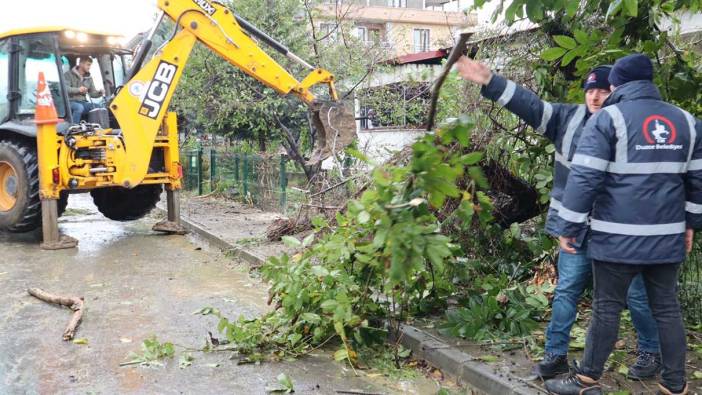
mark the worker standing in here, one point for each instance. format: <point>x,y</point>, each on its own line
<point>562,124</point>
<point>637,173</point>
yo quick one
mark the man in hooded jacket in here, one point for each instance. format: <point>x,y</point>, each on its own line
<point>636,177</point>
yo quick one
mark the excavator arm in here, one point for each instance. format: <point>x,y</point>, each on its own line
<point>140,106</point>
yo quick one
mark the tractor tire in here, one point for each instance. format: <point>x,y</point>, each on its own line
<point>20,206</point>
<point>121,204</point>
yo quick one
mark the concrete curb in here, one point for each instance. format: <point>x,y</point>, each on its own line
<point>469,371</point>
<point>458,364</point>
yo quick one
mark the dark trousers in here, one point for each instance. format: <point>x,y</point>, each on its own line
<point>611,281</point>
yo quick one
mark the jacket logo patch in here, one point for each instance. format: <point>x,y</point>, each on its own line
<point>660,133</point>
<point>158,90</point>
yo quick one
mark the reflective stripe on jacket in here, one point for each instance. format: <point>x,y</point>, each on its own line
<point>638,172</point>
<point>561,123</point>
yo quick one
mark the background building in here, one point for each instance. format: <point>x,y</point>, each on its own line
<point>402,26</point>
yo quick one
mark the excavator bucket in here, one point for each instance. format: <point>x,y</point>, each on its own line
<point>335,124</point>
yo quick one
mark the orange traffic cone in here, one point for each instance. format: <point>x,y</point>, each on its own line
<point>45,110</point>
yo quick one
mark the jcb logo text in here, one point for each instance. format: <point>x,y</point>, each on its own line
<point>158,90</point>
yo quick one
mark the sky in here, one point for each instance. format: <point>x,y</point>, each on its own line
<point>124,17</point>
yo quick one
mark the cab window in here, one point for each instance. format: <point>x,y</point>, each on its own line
<point>4,78</point>
<point>37,54</point>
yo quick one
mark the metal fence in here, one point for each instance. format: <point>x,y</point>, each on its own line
<point>691,288</point>
<point>260,180</point>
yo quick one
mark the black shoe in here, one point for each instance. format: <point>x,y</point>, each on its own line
<point>574,384</point>
<point>551,366</point>
<point>662,390</point>
<point>647,366</point>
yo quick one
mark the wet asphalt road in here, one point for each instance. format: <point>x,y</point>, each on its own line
<point>137,283</point>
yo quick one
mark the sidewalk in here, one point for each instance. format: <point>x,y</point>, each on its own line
<point>230,225</point>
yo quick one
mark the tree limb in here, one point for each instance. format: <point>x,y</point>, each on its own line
<point>74,303</point>
<point>456,53</point>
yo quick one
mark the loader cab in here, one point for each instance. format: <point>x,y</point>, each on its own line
<point>53,51</point>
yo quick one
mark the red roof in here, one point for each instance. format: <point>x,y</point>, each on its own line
<point>421,57</point>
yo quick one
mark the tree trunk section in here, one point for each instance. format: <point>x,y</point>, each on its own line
<point>74,303</point>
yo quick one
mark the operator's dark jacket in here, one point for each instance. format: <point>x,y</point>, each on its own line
<point>74,81</point>
<point>560,123</point>
<point>638,173</point>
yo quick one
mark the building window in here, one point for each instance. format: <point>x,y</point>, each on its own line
<point>421,40</point>
<point>368,35</point>
<point>373,36</point>
<point>362,33</point>
<point>328,31</point>
<point>398,3</point>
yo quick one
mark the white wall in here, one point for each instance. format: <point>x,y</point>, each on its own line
<point>379,145</point>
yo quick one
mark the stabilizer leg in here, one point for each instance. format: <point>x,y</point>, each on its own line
<point>52,239</point>
<point>172,224</point>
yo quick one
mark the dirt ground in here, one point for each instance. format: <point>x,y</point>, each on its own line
<point>233,222</point>
<point>137,284</point>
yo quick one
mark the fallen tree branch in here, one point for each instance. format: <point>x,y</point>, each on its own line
<point>74,303</point>
<point>458,50</point>
<point>334,186</point>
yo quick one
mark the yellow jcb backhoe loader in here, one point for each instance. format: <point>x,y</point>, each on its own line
<point>126,151</point>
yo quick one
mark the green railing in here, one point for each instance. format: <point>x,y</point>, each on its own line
<point>252,178</point>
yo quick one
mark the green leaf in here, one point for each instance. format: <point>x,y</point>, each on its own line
<point>572,7</point>
<point>308,240</point>
<point>472,158</point>
<point>320,271</point>
<point>535,10</point>
<point>81,341</point>
<point>488,358</point>
<point>293,338</point>
<point>291,242</point>
<point>476,173</point>
<point>286,382</point>
<point>364,217</point>
<point>565,42</point>
<point>568,57</point>
<point>329,305</point>
<point>623,370</point>
<point>341,354</point>
<point>552,54</point>
<point>632,7</point>
<point>185,361</point>
<point>613,8</point>
<point>380,237</point>
<point>697,375</point>
<point>353,152</point>
<point>515,231</point>
<point>339,328</point>
<point>311,318</point>
<point>581,37</point>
